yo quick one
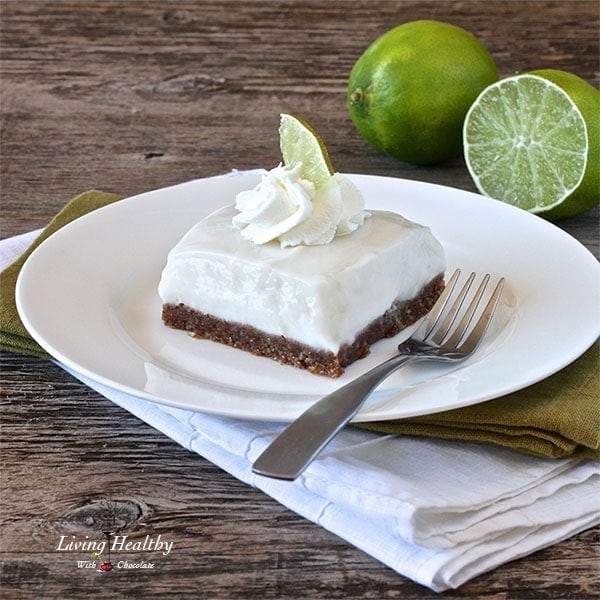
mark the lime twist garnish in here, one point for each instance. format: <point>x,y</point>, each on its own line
<point>301,145</point>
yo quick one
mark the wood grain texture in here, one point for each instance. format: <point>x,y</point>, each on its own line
<point>128,96</point>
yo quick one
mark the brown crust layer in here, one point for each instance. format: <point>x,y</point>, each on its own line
<point>291,352</point>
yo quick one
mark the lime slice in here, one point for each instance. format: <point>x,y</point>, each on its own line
<point>526,143</point>
<point>301,145</point>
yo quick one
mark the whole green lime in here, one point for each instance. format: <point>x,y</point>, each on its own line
<point>409,92</point>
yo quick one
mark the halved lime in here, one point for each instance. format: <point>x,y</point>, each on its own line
<point>529,141</point>
<point>301,144</point>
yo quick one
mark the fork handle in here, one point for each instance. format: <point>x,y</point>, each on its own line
<point>301,441</point>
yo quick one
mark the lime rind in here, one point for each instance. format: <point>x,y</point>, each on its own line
<point>302,146</point>
<point>526,143</point>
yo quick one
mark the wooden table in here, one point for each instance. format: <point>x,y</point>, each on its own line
<point>128,96</point>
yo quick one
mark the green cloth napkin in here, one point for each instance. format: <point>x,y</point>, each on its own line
<point>555,418</point>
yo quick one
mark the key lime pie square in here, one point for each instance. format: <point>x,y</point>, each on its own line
<point>301,273</point>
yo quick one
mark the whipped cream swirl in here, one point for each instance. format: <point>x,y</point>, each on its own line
<point>289,209</point>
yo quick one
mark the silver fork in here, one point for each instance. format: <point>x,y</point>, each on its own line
<point>297,445</point>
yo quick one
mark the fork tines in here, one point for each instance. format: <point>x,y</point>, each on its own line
<point>453,307</point>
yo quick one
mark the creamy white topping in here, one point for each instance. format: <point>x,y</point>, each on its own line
<point>289,209</point>
<point>318,296</point>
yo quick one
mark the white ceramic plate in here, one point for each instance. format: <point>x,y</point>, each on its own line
<point>88,296</point>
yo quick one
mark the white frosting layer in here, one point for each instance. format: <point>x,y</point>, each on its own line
<point>318,295</point>
<point>287,208</point>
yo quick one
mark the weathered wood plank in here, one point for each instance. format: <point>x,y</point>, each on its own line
<point>129,96</point>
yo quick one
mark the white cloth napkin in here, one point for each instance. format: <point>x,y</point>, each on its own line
<point>435,511</point>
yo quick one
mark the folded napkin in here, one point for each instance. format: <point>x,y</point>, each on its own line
<point>558,417</point>
<point>439,512</point>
